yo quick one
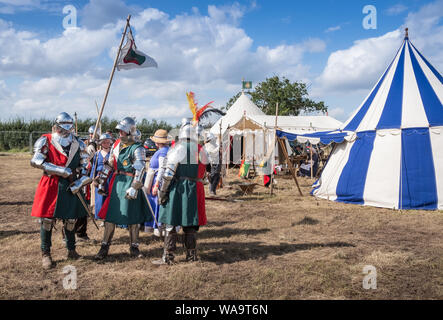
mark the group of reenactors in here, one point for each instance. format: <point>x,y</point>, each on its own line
<point>168,196</point>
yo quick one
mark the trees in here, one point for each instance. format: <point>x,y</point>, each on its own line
<point>292,98</point>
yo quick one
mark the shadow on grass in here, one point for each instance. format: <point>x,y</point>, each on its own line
<point>306,220</point>
<point>231,252</point>
<point>13,203</point>
<point>228,232</point>
<point>9,233</point>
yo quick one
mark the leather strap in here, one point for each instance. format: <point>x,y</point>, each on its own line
<point>126,173</point>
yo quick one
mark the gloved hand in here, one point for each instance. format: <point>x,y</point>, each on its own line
<point>79,183</point>
<point>131,193</point>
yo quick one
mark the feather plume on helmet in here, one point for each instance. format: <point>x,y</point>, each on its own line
<point>200,113</point>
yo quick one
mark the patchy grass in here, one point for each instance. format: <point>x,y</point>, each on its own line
<point>284,246</point>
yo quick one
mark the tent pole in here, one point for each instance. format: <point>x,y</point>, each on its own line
<point>289,163</point>
<point>275,135</point>
<point>312,164</point>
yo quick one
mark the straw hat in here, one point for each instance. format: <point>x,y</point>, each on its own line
<point>160,136</point>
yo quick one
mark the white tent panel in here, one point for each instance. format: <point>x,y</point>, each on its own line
<point>331,173</point>
<point>436,135</point>
<point>372,117</point>
<point>383,175</point>
<point>435,83</point>
<point>413,113</point>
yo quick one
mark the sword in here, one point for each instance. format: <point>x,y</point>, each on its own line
<point>87,208</point>
<point>149,205</point>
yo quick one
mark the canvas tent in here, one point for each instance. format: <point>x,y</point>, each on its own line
<point>390,151</point>
<point>244,121</point>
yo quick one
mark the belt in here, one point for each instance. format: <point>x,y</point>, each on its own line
<point>191,179</point>
<point>125,173</point>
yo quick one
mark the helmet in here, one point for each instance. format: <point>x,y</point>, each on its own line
<point>64,121</point>
<point>127,125</point>
<point>187,130</point>
<point>105,136</point>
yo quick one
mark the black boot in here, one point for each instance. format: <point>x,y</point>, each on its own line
<point>103,253</point>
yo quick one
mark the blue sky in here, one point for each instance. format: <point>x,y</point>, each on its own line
<point>203,46</point>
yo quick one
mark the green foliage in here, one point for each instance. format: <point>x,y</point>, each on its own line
<point>15,134</point>
<point>292,97</point>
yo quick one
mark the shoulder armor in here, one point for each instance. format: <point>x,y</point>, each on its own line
<point>41,145</point>
<point>40,152</point>
<point>139,158</point>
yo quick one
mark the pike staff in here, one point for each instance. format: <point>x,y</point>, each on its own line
<point>111,76</point>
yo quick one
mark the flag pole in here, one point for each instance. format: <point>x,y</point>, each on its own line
<point>111,76</point>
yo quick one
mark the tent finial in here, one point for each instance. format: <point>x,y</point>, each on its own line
<point>406,33</point>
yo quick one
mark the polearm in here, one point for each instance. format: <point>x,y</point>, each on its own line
<point>96,108</point>
<point>80,197</point>
<point>111,76</point>
<point>149,205</point>
<point>75,117</point>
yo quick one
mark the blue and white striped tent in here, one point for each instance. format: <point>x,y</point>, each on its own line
<point>392,155</point>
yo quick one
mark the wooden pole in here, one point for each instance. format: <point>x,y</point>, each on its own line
<point>76,129</point>
<point>96,108</point>
<point>289,163</point>
<point>220,154</point>
<point>312,162</point>
<point>275,135</point>
<point>111,76</point>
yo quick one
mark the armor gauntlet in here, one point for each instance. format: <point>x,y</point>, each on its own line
<point>165,182</point>
<point>39,160</point>
<point>84,174</point>
<point>139,166</point>
<point>102,178</point>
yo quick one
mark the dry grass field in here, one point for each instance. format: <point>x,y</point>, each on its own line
<point>262,247</point>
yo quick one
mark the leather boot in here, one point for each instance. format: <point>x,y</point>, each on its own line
<point>190,245</point>
<point>47,262</point>
<point>72,255</point>
<point>103,253</point>
<point>170,247</point>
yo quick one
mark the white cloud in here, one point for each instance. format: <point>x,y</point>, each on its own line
<point>360,65</point>
<point>396,9</point>
<point>332,29</point>
<point>336,112</point>
<point>208,54</point>
<point>98,13</point>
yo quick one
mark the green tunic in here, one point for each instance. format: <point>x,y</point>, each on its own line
<point>68,205</point>
<point>186,197</point>
<point>121,210</point>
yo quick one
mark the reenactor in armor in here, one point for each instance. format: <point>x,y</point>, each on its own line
<point>182,194</point>
<point>81,226</point>
<point>126,204</point>
<point>63,159</point>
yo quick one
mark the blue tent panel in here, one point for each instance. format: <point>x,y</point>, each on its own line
<point>430,66</point>
<point>326,137</point>
<point>351,183</point>
<point>431,103</point>
<point>418,185</point>
<point>391,116</point>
